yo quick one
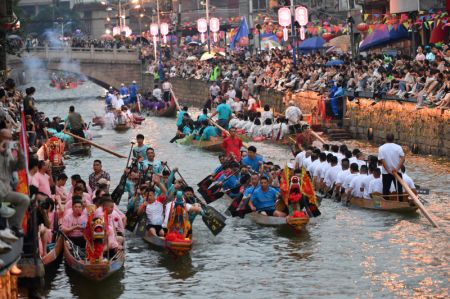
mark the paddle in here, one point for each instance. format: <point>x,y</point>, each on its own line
<point>416,199</point>
<point>212,218</point>
<point>116,195</point>
<point>175,100</point>
<point>95,145</point>
<point>235,208</point>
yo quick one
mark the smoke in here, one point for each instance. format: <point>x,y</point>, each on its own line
<point>72,66</point>
<point>52,38</point>
<point>35,68</point>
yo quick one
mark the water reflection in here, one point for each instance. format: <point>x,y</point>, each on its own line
<point>345,253</point>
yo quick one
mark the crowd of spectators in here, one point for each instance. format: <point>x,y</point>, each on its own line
<point>424,79</point>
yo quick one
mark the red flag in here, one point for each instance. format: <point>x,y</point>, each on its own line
<point>307,187</point>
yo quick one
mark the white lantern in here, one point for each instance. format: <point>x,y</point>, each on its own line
<point>284,19</point>
<point>164,31</point>
<point>214,25</point>
<point>301,15</point>
<point>154,29</point>
<point>116,30</point>
<point>202,27</point>
<point>126,30</point>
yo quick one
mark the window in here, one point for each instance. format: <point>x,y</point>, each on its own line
<point>259,4</point>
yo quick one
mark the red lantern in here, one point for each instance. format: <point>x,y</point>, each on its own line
<point>327,36</point>
<point>279,34</point>
<point>362,27</point>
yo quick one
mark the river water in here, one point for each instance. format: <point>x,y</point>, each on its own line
<point>345,253</point>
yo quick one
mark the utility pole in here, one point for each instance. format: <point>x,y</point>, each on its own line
<point>207,24</point>
<point>294,33</point>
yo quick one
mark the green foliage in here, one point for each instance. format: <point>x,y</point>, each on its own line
<point>46,19</point>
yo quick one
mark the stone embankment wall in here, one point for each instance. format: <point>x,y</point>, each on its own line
<point>426,129</point>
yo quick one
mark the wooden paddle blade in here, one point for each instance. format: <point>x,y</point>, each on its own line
<point>116,195</point>
<point>214,220</point>
<point>141,227</point>
<point>205,182</point>
<point>133,220</point>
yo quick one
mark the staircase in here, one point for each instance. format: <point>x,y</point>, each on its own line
<point>335,131</point>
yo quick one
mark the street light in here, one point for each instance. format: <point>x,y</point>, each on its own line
<point>206,4</point>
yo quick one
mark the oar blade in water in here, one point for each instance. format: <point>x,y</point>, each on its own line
<point>214,220</point>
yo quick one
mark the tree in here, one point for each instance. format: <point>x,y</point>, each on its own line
<point>47,19</point>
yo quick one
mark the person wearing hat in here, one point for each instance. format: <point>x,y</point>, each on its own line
<point>123,90</point>
<point>133,91</point>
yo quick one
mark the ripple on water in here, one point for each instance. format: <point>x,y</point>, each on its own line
<point>346,253</point>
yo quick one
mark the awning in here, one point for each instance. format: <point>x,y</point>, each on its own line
<point>382,37</point>
<point>313,43</point>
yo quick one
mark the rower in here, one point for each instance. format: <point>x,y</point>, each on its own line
<point>203,116</point>
<point>75,123</point>
<point>354,172</point>
<point>74,223</point>
<point>376,185</point>
<point>318,170</point>
<point>150,161</point>
<point>140,150</point>
<point>323,171</point>
<point>253,160</point>
<point>366,181</point>
<point>408,180</point>
<point>341,177</point>
<point>98,174</point>
<point>354,189</point>
<point>230,181</point>
<point>155,214</point>
<point>392,158</point>
<point>315,163</point>
<point>263,199</point>
<point>181,115</point>
<point>223,111</point>
<point>331,174</point>
<point>232,145</point>
<point>208,131</point>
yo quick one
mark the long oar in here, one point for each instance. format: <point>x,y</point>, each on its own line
<point>116,195</point>
<point>95,145</point>
<point>175,100</point>
<point>416,199</point>
<point>223,129</point>
<point>212,218</point>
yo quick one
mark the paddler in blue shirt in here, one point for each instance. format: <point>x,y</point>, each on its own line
<point>223,112</point>
<point>133,89</point>
<point>150,161</point>
<point>208,132</point>
<point>123,90</point>
<point>141,149</point>
<point>253,160</point>
<point>180,115</point>
<point>203,116</point>
<point>264,198</point>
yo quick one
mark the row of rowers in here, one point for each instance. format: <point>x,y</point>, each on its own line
<point>336,169</point>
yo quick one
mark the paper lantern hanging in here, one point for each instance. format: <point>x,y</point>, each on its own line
<point>164,27</point>
<point>362,27</point>
<point>301,16</point>
<point>154,29</point>
<point>214,26</point>
<point>202,27</point>
<point>284,19</point>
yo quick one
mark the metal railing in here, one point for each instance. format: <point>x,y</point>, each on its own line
<point>100,54</point>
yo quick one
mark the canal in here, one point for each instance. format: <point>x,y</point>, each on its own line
<point>345,253</point>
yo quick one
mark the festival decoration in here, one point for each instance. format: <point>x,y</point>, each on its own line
<point>202,27</point>
<point>214,25</point>
<point>327,36</point>
<point>284,19</point>
<point>301,16</point>
<point>362,27</point>
<point>164,28</point>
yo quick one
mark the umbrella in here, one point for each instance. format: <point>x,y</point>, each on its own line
<point>269,44</point>
<point>191,58</point>
<point>381,37</point>
<point>334,62</point>
<point>14,36</point>
<point>342,42</point>
<point>107,37</point>
<point>194,43</point>
<point>207,56</point>
<point>313,43</point>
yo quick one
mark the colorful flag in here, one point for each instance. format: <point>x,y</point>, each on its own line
<point>242,31</point>
<point>307,187</point>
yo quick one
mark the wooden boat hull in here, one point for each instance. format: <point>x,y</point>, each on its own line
<point>213,145</point>
<point>177,248</point>
<point>95,272</point>
<point>80,149</point>
<point>170,111</point>
<point>295,223</point>
<point>381,204</point>
<point>121,127</point>
<point>54,255</point>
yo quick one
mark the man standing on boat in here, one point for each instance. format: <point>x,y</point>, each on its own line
<point>75,122</point>
<point>223,112</point>
<point>392,158</point>
<point>232,145</point>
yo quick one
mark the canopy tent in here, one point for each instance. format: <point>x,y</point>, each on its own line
<point>311,44</point>
<point>334,62</point>
<point>342,42</point>
<point>382,37</point>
